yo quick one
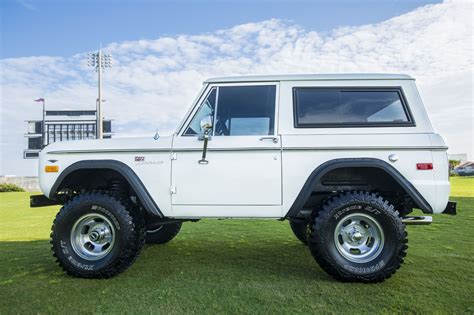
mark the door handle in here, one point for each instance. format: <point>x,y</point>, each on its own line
<point>274,139</point>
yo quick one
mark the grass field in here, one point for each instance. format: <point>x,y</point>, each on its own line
<point>234,266</point>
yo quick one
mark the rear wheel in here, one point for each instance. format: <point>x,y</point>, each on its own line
<point>358,236</point>
<point>96,235</point>
<point>163,234</point>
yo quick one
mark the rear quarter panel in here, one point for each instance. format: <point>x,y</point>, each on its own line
<point>304,149</point>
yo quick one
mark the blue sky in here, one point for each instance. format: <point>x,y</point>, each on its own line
<point>62,28</point>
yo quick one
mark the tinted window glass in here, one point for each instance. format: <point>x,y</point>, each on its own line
<point>316,106</point>
<point>206,108</point>
<point>245,110</point>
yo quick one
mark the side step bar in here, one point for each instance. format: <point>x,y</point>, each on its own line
<point>420,220</point>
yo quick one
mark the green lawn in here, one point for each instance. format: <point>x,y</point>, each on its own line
<point>248,266</point>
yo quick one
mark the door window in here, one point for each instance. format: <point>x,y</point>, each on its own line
<point>245,110</point>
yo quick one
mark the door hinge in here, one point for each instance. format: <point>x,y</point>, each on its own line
<point>173,190</point>
<point>174,156</point>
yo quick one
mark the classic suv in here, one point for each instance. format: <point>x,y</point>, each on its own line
<point>344,158</point>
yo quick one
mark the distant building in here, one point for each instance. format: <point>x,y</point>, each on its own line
<point>62,125</point>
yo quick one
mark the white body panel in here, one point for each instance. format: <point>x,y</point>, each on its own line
<point>300,160</point>
<point>235,178</point>
<point>247,177</point>
<point>305,149</point>
<point>154,172</point>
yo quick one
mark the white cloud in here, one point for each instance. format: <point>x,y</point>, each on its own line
<point>153,82</point>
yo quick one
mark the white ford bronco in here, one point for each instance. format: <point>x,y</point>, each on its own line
<point>343,158</point>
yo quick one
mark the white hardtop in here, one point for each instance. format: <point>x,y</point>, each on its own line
<point>311,77</point>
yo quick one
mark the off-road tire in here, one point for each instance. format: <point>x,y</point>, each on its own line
<point>300,229</point>
<point>163,234</point>
<point>324,249</point>
<point>129,235</point>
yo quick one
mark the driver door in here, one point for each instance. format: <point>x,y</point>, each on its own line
<point>242,176</point>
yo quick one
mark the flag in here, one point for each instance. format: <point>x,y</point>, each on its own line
<point>40,100</point>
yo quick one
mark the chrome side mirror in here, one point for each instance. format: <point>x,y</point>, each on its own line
<point>206,128</point>
<point>206,124</point>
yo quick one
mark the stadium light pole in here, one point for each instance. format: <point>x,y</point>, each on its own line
<point>99,61</point>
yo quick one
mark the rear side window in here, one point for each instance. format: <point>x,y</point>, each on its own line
<point>342,107</point>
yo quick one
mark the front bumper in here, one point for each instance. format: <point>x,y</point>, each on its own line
<point>450,208</point>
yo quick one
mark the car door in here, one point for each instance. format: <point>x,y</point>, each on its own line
<point>242,173</point>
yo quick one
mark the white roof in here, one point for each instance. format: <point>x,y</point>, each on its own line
<point>311,77</point>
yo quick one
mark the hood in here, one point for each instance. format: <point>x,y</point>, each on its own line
<point>115,144</point>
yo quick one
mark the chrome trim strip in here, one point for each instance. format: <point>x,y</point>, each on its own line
<point>160,150</point>
<point>230,149</point>
<point>110,151</point>
<point>352,148</point>
<point>364,148</point>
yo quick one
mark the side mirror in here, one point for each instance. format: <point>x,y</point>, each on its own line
<point>206,127</point>
<point>206,124</point>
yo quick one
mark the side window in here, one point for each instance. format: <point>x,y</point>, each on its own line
<point>207,108</point>
<point>245,110</point>
<point>321,107</point>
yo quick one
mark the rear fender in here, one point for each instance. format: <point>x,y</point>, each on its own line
<point>315,178</point>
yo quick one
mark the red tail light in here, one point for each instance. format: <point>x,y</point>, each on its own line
<point>424,166</point>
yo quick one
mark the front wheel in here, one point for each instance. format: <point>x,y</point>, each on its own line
<point>96,235</point>
<point>358,236</point>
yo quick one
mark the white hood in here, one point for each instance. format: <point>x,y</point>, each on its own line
<point>107,145</point>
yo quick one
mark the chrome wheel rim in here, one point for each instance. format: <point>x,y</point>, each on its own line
<point>359,238</point>
<point>92,236</point>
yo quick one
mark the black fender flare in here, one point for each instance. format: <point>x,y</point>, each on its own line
<point>121,168</point>
<point>328,166</point>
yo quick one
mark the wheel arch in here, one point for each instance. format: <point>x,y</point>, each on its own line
<point>315,178</point>
<point>124,171</point>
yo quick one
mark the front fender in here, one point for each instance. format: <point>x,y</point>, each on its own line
<point>121,168</point>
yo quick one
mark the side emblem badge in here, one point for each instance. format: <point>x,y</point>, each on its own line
<point>139,159</point>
